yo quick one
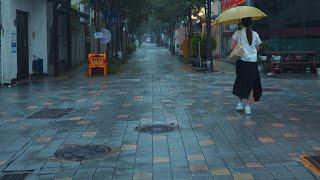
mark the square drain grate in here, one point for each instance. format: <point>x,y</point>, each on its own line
<point>49,113</point>
<point>312,163</point>
<point>14,176</point>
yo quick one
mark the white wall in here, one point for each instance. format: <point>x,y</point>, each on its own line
<point>37,10</point>
<point>6,57</point>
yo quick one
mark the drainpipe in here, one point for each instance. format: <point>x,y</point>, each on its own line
<point>1,34</point>
<point>55,39</point>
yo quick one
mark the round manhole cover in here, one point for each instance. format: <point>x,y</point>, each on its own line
<point>75,152</point>
<point>157,128</point>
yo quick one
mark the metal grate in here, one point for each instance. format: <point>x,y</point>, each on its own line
<point>49,113</point>
<point>157,128</point>
<point>312,163</point>
<point>14,176</point>
<point>75,152</point>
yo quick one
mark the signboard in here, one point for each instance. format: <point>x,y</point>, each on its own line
<point>13,42</point>
<point>226,4</point>
<point>215,6</point>
<point>98,35</point>
<point>106,36</point>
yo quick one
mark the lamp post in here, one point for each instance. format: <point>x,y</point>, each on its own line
<point>209,45</point>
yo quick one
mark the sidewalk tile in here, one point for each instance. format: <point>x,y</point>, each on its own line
<point>195,157</point>
<point>198,168</point>
<point>142,176</point>
<point>278,125</point>
<point>220,172</point>
<point>44,139</point>
<point>254,165</point>
<point>127,147</point>
<point>206,142</point>
<point>89,134</point>
<point>266,139</point>
<point>243,176</point>
<point>160,159</point>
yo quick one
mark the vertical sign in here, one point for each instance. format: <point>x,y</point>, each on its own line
<point>13,42</point>
<point>226,4</point>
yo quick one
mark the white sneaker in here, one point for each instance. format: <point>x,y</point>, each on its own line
<point>247,110</point>
<point>239,107</point>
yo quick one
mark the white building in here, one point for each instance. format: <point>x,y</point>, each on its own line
<point>23,34</point>
<point>47,29</point>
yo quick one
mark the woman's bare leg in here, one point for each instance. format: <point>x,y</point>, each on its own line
<point>250,98</point>
<point>249,102</point>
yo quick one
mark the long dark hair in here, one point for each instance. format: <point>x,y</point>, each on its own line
<point>247,22</point>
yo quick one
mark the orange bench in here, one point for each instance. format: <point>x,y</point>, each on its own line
<point>98,61</point>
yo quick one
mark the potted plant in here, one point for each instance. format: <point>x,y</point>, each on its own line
<point>198,49</point>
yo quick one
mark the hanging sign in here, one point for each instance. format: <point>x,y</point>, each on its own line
<point>226,4</point>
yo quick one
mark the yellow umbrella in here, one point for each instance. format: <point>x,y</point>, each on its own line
<point>235,14</point>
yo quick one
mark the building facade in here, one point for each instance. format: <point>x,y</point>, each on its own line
<point>23,35</point>
<point>290,25</point>
<point>49,30</point>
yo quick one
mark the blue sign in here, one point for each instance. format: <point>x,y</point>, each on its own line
<point>13,42</point>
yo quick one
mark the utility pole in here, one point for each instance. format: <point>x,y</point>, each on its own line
<point>209,45</point>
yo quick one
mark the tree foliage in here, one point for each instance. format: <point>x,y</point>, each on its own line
<point>166,10</point>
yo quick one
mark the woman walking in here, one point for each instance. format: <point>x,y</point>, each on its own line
<point>248,84</point>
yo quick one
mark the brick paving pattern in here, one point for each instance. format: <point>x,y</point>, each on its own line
<point>212,142</point>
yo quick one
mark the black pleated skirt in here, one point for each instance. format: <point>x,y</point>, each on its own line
<point>248,78</point>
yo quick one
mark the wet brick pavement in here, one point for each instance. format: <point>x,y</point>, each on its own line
<point>212,141</point>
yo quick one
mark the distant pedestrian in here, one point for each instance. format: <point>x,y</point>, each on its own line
<point>248,84</point>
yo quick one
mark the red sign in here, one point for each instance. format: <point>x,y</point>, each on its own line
<point>226,4</point>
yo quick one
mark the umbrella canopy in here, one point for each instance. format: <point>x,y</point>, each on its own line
<point>235,14</point>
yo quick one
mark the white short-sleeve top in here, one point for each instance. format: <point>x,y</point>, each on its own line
<point>250,51</point>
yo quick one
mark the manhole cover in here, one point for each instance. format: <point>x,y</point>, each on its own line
<point>14,176</point>
<point>49,113</point>
<point>312,163</point>
<point>272,89</point>
<point>157,128</point>
<point>75,152</point>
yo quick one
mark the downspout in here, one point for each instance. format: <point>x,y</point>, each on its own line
<point>55,39</point>
<point>1,34</point>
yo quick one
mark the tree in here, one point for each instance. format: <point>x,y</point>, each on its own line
<point>121,17</point>
<point>172,13</point>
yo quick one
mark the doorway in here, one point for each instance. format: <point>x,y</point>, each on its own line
<point>22,45</point>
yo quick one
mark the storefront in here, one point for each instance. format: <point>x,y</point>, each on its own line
<point>291,24</point>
